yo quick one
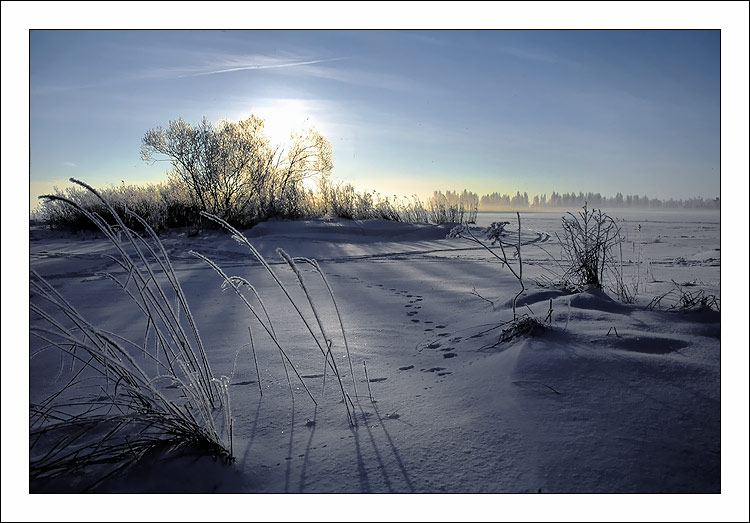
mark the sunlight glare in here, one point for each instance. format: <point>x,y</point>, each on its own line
<point>310,184</point>
<point>282,117</point>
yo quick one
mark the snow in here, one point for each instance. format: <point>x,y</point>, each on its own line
<point>609,398</point>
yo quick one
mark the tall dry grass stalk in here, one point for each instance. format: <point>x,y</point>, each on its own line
<point>317,330</point>
<point>131,410</point>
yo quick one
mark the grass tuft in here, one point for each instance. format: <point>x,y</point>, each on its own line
<point>113,409</point>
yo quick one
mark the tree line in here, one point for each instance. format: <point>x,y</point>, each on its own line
<point>521,201</point>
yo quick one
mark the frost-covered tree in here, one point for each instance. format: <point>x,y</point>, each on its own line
<point>231,170</point>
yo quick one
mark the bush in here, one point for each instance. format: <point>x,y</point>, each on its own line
<point>588,241</point>
<point>162,206</point>
<point>452,207</point>
<point>169,205</point>
<point>343,201</point>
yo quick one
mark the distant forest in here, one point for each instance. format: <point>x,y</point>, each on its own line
<point>522,201</point>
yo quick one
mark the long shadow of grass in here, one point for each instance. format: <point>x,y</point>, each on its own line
<point>310,424</point>
<point>378,456</point>
<point>252,431</point>
<point>394,450</point>
<point>364,479</point>
<point>289,451</point>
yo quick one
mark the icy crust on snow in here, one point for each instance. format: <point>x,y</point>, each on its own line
<point>607,397</point>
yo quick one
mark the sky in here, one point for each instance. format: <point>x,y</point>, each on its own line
<point>406,111</point>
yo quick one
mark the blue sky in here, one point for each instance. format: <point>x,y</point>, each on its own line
<point>407,112</point>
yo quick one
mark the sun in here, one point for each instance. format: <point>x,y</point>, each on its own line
<point>310,183</point>
<point>282,117</point>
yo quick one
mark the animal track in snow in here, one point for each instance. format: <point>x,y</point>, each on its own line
<point>449,355</point>
<point>433,369</point>
<point>406,367</point>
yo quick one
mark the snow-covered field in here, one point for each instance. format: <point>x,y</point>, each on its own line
<point>609,398</point>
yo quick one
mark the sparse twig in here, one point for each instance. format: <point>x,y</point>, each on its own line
<point>494,233</point>
<point>548,319</point>
<point>476,293</point>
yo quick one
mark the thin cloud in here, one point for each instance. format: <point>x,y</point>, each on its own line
<point>69,164</point>
<point>372,79</point>
<point>537,56</point>
<point>213,64</point>
<point>258,66</point>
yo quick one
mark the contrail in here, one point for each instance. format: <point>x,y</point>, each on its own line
<point>273,66</point>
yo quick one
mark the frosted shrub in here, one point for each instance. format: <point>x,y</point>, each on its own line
<point>281,195</point>
<point>343,201</point>
<point>588,241</point>
<point>453,207</point>
<point>231,170</point>
<point>163,206</point>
